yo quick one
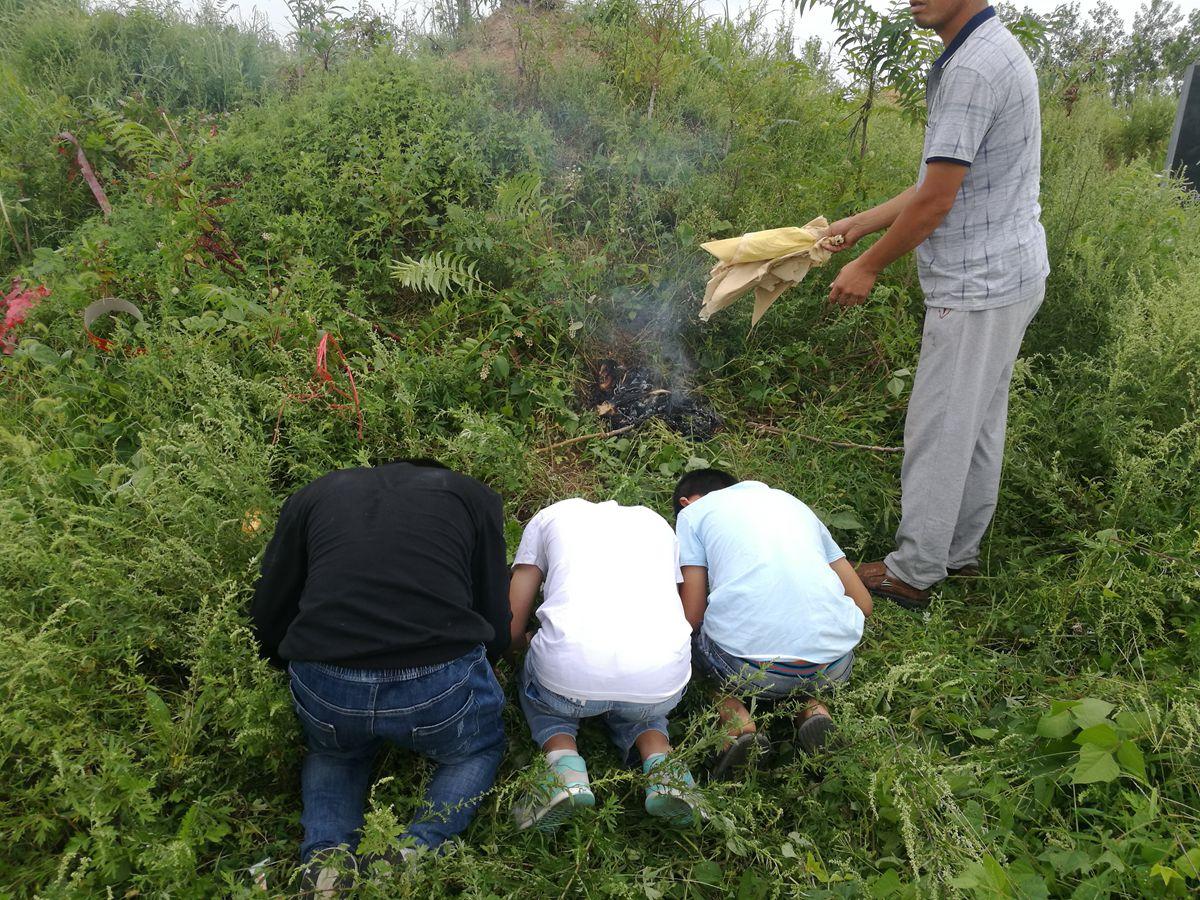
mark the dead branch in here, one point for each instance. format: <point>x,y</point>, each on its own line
<point>586,437</point>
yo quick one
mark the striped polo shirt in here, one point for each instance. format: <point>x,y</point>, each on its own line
<point>982,99</point>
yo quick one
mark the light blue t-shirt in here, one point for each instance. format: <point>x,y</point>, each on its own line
<point>771,591</point>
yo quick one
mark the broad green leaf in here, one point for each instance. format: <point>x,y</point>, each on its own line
<point>886,885</point>
<point>38,352</point>
<point>814,867</point>
<point>1102,736</point>
<point>1131,723</point>
<point>83,476</point>
<point>1057,725</point>
<point>985,734</point>
<point>1089,711</point>
<point>1166,873</point>
<point>1188,865</point>
<point>1067,862</point>
<point>1027,883</point>
<point>159,715</point>
<point>1094,765</point>
<point>846,520</point>
<point>987,877</point>
<point>1131,759</point>
<point>1095,888</point>
<point>707,872</point>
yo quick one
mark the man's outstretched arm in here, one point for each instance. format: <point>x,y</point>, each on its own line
<point>853,229</point>
<point>928,205</point>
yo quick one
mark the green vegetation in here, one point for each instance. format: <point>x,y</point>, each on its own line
<point>473,227</point>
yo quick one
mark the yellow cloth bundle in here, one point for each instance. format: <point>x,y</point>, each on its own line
<point>767,262</point>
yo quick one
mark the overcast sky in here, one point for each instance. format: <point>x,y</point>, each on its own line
<point>815,22</point>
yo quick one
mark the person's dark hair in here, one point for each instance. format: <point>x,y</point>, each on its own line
<point>700,481</point>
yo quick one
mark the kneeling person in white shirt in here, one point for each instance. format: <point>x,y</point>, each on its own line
<point>613,643</point>
<point>776,606</point>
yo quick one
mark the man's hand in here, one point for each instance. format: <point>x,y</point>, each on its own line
<point>852,284</point>
<point>848,230</point>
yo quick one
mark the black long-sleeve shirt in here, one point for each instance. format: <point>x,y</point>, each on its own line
<point>388,567</point>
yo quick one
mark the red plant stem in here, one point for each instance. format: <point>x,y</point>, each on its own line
<point>88,174</point>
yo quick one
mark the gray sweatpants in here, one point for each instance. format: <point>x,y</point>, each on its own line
<point>954,437</point>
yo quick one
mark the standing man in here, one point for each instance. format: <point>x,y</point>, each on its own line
<point>384,591</point>
<point>973,217</point>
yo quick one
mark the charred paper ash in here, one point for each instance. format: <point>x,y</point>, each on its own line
<point>631,396</point>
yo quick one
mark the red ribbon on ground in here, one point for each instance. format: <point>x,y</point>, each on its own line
<point>323,380</point>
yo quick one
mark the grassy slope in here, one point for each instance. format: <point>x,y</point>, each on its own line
<point>143,744</point>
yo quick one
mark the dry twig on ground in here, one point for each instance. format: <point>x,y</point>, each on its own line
<point>586,437</point>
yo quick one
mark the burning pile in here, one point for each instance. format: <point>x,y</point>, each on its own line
<point>628,397</point>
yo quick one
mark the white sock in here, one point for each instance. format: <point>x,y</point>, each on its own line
<point>553,756</point>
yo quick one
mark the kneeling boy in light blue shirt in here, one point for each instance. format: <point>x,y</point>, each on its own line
<point>775,606</point>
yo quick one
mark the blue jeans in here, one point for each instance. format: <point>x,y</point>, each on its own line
<point>449,713</point>
<point>549,714</point>
<point>749,678</point>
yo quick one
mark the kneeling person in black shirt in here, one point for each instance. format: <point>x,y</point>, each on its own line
<point>384,593</point>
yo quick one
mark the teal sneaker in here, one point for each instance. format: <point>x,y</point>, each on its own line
<point>562,793</point>
<point>671,794</point>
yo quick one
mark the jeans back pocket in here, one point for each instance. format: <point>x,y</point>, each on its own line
<point>320,734</point>
<point>449,736</point>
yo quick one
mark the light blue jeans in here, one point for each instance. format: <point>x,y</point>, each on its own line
<point>449,713</point>
<point>549,714</point>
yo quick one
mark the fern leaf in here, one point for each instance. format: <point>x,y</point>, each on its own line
<point>436,273</point>
<point>520,196</point>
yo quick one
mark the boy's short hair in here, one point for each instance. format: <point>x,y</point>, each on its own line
<point>700,481</point>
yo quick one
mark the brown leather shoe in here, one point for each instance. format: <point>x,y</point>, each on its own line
<point>882,583</point>
<point>970,570</point>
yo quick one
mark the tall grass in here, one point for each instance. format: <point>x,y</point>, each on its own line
<point>59,59</point>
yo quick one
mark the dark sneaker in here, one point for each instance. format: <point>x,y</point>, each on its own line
<point>328,873</point>
<point>813,731</point>
<point>882,583</point>
<point>747,751</point>
<point>970,570</point>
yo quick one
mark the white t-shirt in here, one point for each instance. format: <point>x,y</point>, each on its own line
<point>612,624</point>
